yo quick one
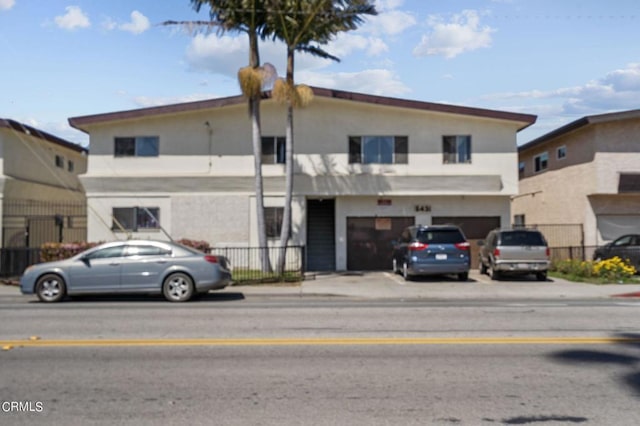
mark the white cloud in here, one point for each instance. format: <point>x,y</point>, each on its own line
<point>7,4</point>
<point>375,81</point>
<point>138,24</point>
<point>73,19</point>
<point>392,22</point>
<point>463,33</point>
<point>149,101</point>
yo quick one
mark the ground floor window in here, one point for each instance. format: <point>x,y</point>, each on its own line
<point>135,218</point>
<point>273,221</point>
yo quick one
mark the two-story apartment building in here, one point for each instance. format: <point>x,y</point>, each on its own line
<point>586,172</point>
<point>365,167</point>
<point>42,197</point>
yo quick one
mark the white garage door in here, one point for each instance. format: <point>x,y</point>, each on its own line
<point>611,227</point>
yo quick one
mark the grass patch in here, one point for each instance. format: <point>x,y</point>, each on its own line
<point>257,277</point>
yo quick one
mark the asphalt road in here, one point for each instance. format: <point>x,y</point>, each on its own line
<point>235,360</point>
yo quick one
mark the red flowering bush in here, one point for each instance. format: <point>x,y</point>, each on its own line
<point>203,246</point>
<point>61,251</point>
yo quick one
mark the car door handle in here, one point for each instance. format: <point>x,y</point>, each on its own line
<point>161,261</point>
<point>114,264</point>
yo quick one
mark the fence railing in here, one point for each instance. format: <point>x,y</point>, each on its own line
<point>245,262</point>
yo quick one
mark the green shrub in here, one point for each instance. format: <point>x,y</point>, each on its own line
<point>196,244</point>
<point>608,270</point>
<point>60,251</point>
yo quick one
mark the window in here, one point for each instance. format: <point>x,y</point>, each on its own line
<point>147,251</point>
<point>140,146</point>
<point>562,152</point>
<point>379,149</point>
<point>518,220</point>
<point>273,149</point>
<point>135,218</point>
<point>540,162</point>
<point>105,253</point>
<point>60,161</point>
<point>70,166</point>
<point>521,166</point>
<point>456,149</point>
<point>273,221</point>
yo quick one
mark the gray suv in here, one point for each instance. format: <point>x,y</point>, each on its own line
<point>514,251</point>
<point>432,250</point>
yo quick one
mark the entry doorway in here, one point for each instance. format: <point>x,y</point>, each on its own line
<point>370,241</point>
<point>321,235</point>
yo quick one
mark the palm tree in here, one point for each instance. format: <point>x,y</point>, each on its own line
<point>248,16</point>
<point>303,25</point>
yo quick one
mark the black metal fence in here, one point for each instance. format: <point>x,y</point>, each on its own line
<point>13,261</point>
<point>247,266</point>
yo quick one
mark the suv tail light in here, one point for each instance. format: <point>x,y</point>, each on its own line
<point>211,259</point>
<point>496,252</point>
<point>463,246</point>
<point>548,252</point>
<point>417,246</point>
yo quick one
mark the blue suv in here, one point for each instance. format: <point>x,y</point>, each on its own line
<point>432,250</point>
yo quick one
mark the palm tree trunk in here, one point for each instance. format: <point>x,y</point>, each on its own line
<point>286,216</point>
<point>256,134</point>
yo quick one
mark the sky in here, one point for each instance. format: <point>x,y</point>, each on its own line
<point>557,59</point>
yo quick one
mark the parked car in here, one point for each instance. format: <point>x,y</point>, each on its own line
<point>514,251</point>
<point>135,266</point>
<point>432,250</point>
<point>626,247</point>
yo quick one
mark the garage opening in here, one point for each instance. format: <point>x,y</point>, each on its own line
<point>369,241</point>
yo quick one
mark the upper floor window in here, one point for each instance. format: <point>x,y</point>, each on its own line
<point>379,149</point>
<point>60,161</point>
<point>70,166</point>
<point>273,149</point>
<point>456,149</point>
<point>541,162</point>
<point>139,146</point>
<point>521,169</point>
<point>135,218</point>
<point>562,152</point>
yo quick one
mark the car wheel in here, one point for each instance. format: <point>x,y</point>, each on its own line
<point>405,272</point>
<point>463,276</point>
<point>495,275</point>
<point>541,276</point>
<point>177,287</point>
<point>50,288</point>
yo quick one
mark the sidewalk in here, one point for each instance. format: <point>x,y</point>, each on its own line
<point>385,285</point>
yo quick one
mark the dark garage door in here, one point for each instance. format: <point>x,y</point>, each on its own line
<point>369,241</point>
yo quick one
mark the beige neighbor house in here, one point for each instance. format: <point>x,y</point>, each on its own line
<point>42,197</point>
<point>365,167</point>
<point>586,173</point>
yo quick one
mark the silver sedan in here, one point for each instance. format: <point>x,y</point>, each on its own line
<point>127,267</point>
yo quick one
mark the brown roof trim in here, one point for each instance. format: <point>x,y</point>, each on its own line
<point>579,123</point>
<point>32,131</point>
<point>80,122</point>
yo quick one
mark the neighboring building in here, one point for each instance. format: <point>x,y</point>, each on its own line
<point>366,167</point>
<point>42,197</point>
<point>585,173</point>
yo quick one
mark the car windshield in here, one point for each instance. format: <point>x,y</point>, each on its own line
<point>522,238</point>
<point>440,236</point>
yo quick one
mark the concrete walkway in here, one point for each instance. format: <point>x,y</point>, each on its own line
<point>385,285</point>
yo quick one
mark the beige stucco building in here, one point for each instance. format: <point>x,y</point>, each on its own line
<point>365,167</point>
<point>587,173</point>
<point>42,197</point>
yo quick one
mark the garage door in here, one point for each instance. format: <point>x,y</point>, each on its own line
<point>611,227</point>
<point>369,241</point>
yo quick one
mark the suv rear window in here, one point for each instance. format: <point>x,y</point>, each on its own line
<point>522,238</point>
<point>440,236</point>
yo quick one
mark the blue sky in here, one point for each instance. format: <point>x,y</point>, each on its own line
<point>557,59</point>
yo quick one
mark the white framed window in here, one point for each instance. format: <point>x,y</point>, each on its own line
<point>561,153</point>
<point>456,149</point>
<point>541,162</point>
<point>135,218</point>
<point>378,149</point>
<point>273,221</point>
<point>138,146</point>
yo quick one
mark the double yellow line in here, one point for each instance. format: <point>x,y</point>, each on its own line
<point>354,341</point>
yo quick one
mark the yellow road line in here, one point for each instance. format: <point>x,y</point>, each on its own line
<point>320,341</point>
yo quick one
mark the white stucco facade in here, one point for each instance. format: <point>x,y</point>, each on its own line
<point>202,178</point>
